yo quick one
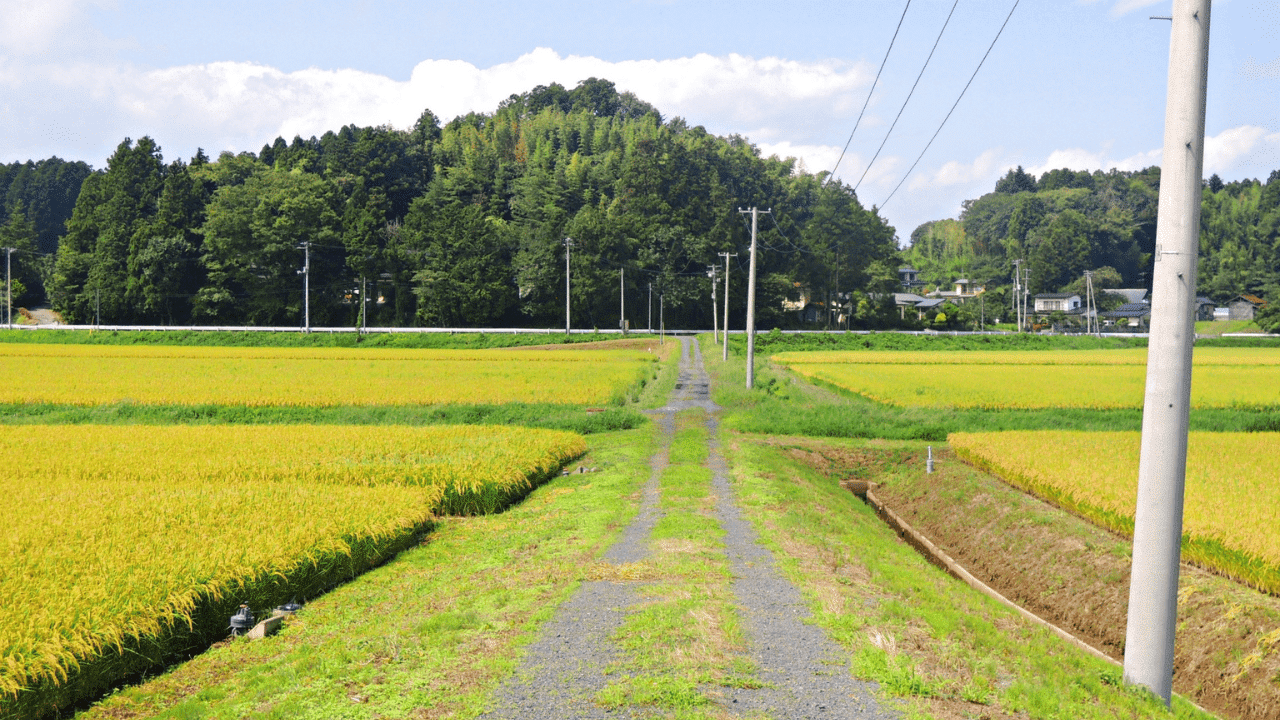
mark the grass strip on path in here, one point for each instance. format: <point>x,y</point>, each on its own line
<point>944,649</point>
<point>429,634</point>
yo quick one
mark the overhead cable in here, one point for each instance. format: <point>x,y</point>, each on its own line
<point>869,93</point>
<point>904,102</point>
<point>953,106</point>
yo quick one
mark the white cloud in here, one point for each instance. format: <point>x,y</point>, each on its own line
<point>986,165</point>
<point>1123,7</point>
<point>240,105</point>
<point>1081,159</point>
<point>1257,71</point>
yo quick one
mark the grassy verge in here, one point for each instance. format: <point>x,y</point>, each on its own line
<point>682,641</point>
<point>946,650</point>
<point>928,639</point>
<point>552,417</point>
<point>430,634</point>
<point>234,338</point>
<point>785,404</point>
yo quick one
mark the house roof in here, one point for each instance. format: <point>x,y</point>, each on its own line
<point>1132,295</point>
<point>1257,301</point>
<point>961,281</point>
<point>906,298</point>
<point>927,303</point>
<point>1129,310</point>
<point>1056,296</point>
<point>907,268</point>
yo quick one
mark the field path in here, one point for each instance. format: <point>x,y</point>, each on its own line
<point>802,672</point>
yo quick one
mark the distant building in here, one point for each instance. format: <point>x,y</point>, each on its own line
<point>1243,307</point>
<point>1057,302</point>
<point>1136,316</point>
<point>910,278</point>
<point>963,292</point>
<point>1205,309</point>
<point>1130,295</point>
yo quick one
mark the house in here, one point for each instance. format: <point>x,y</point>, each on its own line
<point>927,304</point>
<point>910,278</point>
<point>1134,315</point>
<point>1130,295</point>
<point>1205,309</point>
<point>1243,307</point>
<point>964,290</point>
<point>1057,302</point>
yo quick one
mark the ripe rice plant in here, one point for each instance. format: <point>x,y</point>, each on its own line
<point>124,546</point>
<point>1097,379</point>
<point>1232,509</point>
<point>100,374</point>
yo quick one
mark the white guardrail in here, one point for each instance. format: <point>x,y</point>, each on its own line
<point>527,331</point>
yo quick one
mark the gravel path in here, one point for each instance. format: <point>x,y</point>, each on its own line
<point>806,674</point>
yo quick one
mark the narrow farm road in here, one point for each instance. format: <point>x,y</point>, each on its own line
<point>795,670</point>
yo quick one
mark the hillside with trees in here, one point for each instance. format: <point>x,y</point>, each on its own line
<point>1067,222</point>
<point>463,224</point>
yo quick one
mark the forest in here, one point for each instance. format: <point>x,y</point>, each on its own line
<point>464,225</point>
<point>1067,222</point>
<point>458,225</point>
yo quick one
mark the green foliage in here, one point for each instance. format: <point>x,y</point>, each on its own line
<point>1072,221</point>
<point>464,224</point>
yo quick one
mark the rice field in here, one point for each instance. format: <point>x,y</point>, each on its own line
<point>1097,379</point>
<point>1232,508</point>
<point>251,376</point>
<point>122,546</point>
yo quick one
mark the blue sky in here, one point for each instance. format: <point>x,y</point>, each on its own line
<point>1071,83</point>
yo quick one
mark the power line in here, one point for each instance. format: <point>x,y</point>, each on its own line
<point>953,107</point>
<point>869,93</point>
<point>904,102</point>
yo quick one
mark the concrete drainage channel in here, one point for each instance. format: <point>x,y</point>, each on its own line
<point>934,554</point>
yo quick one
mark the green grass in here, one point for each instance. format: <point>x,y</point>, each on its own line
<point>234,338</point>
<point>923,636</point>
<point>683,640</point>
<point>776,342</point>
<point>548,416</point>
<point>431,633</point>
<point>785,404</point>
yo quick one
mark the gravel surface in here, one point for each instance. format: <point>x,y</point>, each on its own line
<point>806,675</point>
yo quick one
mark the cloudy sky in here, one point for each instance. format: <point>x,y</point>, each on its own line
<point>1070,83</point>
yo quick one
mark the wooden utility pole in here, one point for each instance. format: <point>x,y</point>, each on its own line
<point>726,257</point>
<point>751,300</point>
<point>622,295</point>
<point>1162,465</point>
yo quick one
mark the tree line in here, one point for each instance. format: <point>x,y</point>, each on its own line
<point>1067,222</point>
<point>463,224</point>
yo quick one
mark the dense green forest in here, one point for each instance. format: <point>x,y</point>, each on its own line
<point>464,225</point>
<point>1068,222</point>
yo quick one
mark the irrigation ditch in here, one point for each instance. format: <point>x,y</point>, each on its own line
<point>1063,572</point>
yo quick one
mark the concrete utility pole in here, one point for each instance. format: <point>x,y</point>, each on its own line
<point>568,245</point>
<point>662,323</point>
<point>751,300</point>
<point>1090,307</point>
<point>726,257</point>
<point>622,295</point>
<point>305,272</point>
<point>8,288</point>
<point>650,323</point>
<point>715,308</point>
<point>1162,465</point>
<point>1017,293</point>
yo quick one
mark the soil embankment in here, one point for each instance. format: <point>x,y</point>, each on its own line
<point>1075,575</point>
